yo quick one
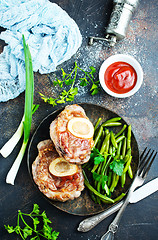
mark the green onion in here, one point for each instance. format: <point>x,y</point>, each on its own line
<point>29,92</point>
<point>10,145</point>
<point>12,142</point>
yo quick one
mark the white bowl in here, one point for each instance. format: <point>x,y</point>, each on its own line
<point>121,58</point>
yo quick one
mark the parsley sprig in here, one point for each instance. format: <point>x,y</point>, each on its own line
<point>117,165</point>
<point>34,232</point>
<point>96,156</point>
<point>70,79</point>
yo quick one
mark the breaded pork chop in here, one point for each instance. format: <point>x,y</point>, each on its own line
<point>74,149</point>
<point>56,188</point>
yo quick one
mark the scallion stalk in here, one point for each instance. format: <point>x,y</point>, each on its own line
<point>10,145</point>
<point>12,142</point>
<point>29,92</point>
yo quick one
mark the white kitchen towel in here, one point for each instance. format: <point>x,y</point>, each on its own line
<point>52,35</point>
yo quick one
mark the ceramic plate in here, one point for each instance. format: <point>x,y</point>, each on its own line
<point>82,205</point>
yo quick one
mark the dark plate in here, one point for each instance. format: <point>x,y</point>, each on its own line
<point>82,205</point>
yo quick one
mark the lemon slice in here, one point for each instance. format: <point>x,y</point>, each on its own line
<point>61,168</point>
<point>81,127</point>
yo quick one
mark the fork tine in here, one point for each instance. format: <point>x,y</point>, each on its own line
<point>143,158</point>
<point>143,153</point>
<point>145,172</point>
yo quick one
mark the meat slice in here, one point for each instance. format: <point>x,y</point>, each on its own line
<point>73,149</point>
<point>56,188</point>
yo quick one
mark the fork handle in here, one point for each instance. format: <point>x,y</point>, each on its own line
<point>109,235</point>
<point>89,223</point>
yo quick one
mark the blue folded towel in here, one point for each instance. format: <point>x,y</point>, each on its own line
<point>52,35</point>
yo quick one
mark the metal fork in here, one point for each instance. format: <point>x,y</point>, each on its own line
<point>146,160</point>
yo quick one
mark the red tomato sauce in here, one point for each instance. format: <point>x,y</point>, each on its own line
<point>120,77</point>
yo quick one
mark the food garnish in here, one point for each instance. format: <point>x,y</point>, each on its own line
<point>61,168</point>
<point>69,79</point>
<point>36,230</point>
<point>81,127</point>
<point>110,161</point>
<point>27,119</point>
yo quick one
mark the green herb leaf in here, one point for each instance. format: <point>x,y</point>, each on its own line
<point>35,222</point>
<point>74,91</point>
<point>94,86</point>
<point>83,82</point>
<point>98,159</point>
<point>10,229</point>
<point>35,209</point>
<point>27,232</point>
<point>55,235</point>
<point>94,153</point>
<point>93,70</point>
<point>63,73</point>
<point>117,166</point>
<point>46,231</point>
<point>96,176</point>
<point>70,79</point>
<point>58,82</point>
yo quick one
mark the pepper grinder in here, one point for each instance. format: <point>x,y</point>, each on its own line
<point>119,21</point>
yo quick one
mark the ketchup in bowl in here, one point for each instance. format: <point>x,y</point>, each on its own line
<point>120,77</point>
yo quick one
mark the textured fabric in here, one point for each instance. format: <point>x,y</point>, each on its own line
<point>53,37</point>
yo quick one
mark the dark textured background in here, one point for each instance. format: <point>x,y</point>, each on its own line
<point>140,220</point>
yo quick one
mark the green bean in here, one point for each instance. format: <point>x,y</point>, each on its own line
<point>126,158</point>
<point>105,167</point>
<point>124,147</point>
<point>109,178</point>
<point>110,150</point>
<point>111,124</point>
<point>98,136</point>
<point>121,131</point>
<point>119,197</point>
<point>130,173</point>
<point>116,180</point>
<point>129,137</point>
<point>119,148</point>
<point>120,138</point>
<point>113,140</point>
<point>123,179</point>
<point>93,196</point>
<point>97,193</point>
<point>102,136</point>
<point>128,152</point>
<point>127,164</point>
<point>105,144</point>
<point>113,182</point>
<point>94,168</point>
<point>114,119</point>
<point>97,124</point>
<point>107,190</point>
<point>99,144</point>
<point>105,148</point>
